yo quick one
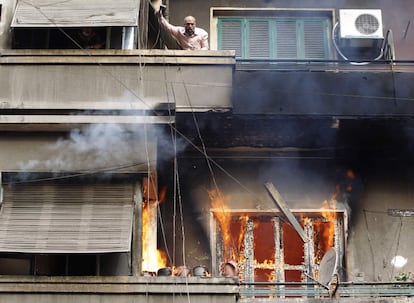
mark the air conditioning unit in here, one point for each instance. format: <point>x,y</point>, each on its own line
<point>360,24</point>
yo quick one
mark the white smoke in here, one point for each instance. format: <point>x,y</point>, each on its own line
<point>99,148</point>
<point>99,145</point>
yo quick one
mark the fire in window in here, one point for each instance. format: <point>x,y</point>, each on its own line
<point>267,247</point>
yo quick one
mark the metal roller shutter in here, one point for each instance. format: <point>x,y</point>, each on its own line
<point>60,218</point>
<point>75,13</point>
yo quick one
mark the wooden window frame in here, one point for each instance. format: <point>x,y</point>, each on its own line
<point>244,15</point>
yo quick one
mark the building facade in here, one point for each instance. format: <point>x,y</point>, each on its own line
<point>286,147</point>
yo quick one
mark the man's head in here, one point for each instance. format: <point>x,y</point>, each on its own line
<point>189,25</point>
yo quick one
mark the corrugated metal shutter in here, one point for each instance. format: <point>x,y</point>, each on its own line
<point>231,37</point>
<point>75,13</point>
<point>259,39</point>
<point>92,218</point>
<point>314,39</point>
<point>286,39</point>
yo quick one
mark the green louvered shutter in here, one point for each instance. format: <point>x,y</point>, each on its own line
<point>275,38</point>
<point>286,39</point>
<point>258,45</point>
<point>314,43</point>
<point>230,37</point>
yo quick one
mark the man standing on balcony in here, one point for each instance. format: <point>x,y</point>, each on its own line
<point>188,36</point>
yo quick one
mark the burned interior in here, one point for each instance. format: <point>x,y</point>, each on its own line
<point>269,249</point>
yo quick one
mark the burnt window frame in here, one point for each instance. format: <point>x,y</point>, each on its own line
<point>310,263</point>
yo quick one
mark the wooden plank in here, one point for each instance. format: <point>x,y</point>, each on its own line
<point>280,202</point>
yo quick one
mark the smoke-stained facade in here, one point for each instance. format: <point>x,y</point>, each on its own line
<point>315,129</point>
<point>125,164</point>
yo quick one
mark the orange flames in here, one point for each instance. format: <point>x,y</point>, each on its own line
<point>150,190</point>
<point>232,232</point>
<point>350,176</point>
<point>268,264</point>
<point>223,217</point>
<point>328,212</point>
<point>232,229</point>
<point>240,232</point>
<point>152,258</point>
<point>328,209</point>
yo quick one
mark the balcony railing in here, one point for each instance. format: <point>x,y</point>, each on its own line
<point>248,291</point>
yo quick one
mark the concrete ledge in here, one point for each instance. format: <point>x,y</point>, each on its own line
<point>104,285</point>
<point>117,289</point>
<point>116,57</point>
<point>68,122</point>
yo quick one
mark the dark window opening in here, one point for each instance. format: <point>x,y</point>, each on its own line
<point>74,38</point>
<point>115,264</point>
<point>15,264</point>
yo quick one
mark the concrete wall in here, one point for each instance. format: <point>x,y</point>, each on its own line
<point>116,81</point>
<point>397,15</point>
<point>375,236</point>
<point>117,87</point>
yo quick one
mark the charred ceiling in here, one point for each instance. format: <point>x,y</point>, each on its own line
<point>331,91</point>
<point>228,130</point>
<point>348,139</point>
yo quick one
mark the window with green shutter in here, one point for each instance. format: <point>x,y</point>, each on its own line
<point>231,35</point>
<point>258,43</point>
<point>275,37</point>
